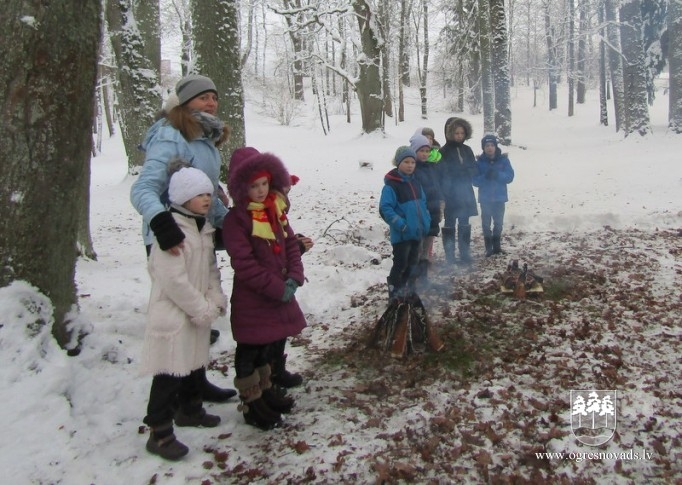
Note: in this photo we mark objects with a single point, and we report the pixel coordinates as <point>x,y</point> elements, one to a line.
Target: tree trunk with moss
<point>369,84</point>
<point>139,94</point>
<point>217,49</point>
<point>48,70</point>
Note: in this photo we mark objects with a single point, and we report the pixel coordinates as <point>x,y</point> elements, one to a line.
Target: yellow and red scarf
<point>268,218</point>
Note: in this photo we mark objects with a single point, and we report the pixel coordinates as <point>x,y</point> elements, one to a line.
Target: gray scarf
<point>212,126</point>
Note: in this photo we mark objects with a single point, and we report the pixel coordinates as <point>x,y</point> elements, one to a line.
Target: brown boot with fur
<point>274,400</point>
<point>256,411</point>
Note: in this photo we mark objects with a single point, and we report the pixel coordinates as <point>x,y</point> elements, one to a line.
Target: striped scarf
<point>269,217</point>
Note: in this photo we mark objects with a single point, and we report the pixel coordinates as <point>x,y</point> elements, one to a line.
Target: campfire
<point>405,328</point>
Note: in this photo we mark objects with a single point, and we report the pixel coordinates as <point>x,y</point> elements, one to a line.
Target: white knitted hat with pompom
<point>187,183</point>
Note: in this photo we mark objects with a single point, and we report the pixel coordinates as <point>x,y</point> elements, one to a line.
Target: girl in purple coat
<point>266,260</point>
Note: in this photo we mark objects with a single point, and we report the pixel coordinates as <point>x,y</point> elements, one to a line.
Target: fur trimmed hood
<point>454,122</point>
<point>244,163</point>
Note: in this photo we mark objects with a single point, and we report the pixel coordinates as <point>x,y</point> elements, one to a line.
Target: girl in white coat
<point>186,297</point>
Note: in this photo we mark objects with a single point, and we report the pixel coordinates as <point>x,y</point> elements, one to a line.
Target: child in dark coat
<point>493,174</point>
<point>403,207</point>
<point>426,174</point>
<point>266,259</point>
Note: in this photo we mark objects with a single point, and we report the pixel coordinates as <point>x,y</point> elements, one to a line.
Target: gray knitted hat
<point>192,86</point>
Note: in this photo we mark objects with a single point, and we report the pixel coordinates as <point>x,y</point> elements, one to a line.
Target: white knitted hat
<point>187,183</point>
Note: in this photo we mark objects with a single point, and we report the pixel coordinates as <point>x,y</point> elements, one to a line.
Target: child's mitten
<point>207,317</point>
<point>290,288</point>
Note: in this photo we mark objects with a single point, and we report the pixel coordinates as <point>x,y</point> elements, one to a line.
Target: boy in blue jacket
<point>403,207</point>
<point>494,173</point>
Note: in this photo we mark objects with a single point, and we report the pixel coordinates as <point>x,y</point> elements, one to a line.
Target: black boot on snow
<point>488,246</point>
<point>281,376</point>
<point>162,442</point>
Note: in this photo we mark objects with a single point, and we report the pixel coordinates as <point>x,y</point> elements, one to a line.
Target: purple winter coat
<point>257,313</point>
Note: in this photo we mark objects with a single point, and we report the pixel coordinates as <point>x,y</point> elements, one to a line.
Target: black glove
<point>490,174</point>
<point>166,230</point>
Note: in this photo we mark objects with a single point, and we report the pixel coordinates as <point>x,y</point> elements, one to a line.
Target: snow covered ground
<point>598,216</point>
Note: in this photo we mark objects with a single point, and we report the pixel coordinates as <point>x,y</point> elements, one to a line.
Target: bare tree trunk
<point>186,57</point>
<point>461,89</point>
<point>297,44</point>
<point>634,69</point>
<point>615,64</point>
<point>249,34</point>
<point>425,62</point>
<point>603,111</point>
<point>346,86</point>
<point>487,83</point>
<point>571,56</point>
<point>48,76</point>
<point>140,95</point>
<point>581,74</point>
<point>675,63</point>
<point>500,69</point>
<point>369,85</point>
<point>148,19</point>
<point>385,30</point>
<point>404,55</point>
<point>552,61</point>
<point>83,237</point>
<point>403,66</point>
<point>475,71</point>
<point>221,61</point>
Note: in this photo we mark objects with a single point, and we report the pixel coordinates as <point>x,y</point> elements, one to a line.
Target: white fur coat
<point>186,297</point>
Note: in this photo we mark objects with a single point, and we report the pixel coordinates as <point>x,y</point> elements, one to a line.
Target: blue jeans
<point>492,212</point>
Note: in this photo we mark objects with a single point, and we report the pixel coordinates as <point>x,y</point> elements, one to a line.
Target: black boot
<point>497,249</point>
<point>275,401</point>
<point>162,442</point>
<point>212,393</point>
<point>464,241</point>
<point>281,376</point>
<point>254,408</point>
<point>196,416</point>
<point>488,246</point>
<point>449,244</point>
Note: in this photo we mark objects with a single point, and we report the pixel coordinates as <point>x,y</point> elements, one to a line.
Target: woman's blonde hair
<point>181,118</point>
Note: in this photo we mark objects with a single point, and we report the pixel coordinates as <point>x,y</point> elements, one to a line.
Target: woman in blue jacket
<point>191,132</point>
<point>494,173</point>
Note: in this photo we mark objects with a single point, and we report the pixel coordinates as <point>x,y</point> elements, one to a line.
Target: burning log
<point>404,327</point>
<point>520,282</point>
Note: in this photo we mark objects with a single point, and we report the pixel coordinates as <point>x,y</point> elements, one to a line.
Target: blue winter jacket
<point>403,207</point>
<point>149,193</point>
<point>493,189</point>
